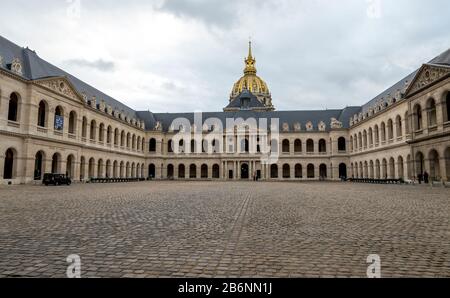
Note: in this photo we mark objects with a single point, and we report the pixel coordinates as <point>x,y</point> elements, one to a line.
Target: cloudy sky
<point>185,55</point>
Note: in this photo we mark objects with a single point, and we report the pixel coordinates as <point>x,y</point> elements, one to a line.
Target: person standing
<point>426,177</point>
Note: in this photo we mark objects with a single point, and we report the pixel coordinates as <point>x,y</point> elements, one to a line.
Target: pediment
<point>428,75</point>
<point>60,85</point>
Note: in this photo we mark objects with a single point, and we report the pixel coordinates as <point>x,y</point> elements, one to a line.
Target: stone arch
<point>343,171</point>
<point>286,171</point>
<point>151,171</point>
<point>39,165</point>
<point>170,171</point>
<point>10,164</point>
<point>400,168</point>
<point>56,163</point>
<point>181,171</point>
<point>391,174</point>
<point>435,170</point>
<point>298,171</point>
<point>152,145</point>
<point>398,126</point>
<point>310,171</point>
<point>70,166</point>
<point>193,171</point>
<point>286,146</point>
<point>298,146</point>
<point>204,171</point>
<point>91,168</point>
<point>93,130</point>
<point>322,146</point>
<point>310,146</point>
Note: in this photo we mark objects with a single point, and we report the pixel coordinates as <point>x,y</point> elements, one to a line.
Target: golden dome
<point>251,82</point>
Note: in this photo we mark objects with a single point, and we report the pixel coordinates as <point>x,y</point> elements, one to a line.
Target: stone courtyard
<point>225,229</point>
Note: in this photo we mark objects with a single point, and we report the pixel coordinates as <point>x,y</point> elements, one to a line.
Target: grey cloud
<point>213,12</point>
<point>99,64</point>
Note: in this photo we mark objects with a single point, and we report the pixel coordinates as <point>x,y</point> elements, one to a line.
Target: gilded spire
<point>250,62</point>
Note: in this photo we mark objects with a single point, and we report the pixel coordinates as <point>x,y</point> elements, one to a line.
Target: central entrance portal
<point>244,171</point>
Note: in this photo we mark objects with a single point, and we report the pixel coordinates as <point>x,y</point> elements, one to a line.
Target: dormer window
<point>245,103</point>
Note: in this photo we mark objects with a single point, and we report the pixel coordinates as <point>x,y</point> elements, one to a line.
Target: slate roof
<point>290,117</point>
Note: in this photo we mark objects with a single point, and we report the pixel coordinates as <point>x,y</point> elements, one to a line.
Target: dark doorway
<point>9,164</point>
<point>230,174</point>
<point>38,166</point>
<point>342,171</point>
<point>152,171</point>
<point>244,171</point>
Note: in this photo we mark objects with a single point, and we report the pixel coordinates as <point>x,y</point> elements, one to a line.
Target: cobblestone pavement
<point>224,229</point>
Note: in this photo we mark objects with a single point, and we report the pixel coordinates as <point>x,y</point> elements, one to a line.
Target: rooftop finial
<point>250,61</point>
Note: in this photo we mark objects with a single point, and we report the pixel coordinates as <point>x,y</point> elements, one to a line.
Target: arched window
<point>152,145</point>
<point>286,146</point>
<point>342,144</point>
<point>170,146</point>
<point>116,136</point>
<point>56,163</point>
<point>431,107</point>
<point>13,107</point>
<point>370,136</point>
<point>365,139</point>
<point>101,132</point>
<point>59,118</point>
<point>322,146</point>
<point>152,171</point>
<point>170,171</point>
<point>418,118</point>
<point>399,126</point>
<point>377,134</point>
<point>192,171</point>
<point>70,166</point>
<point>383,132</point>
<point>351,143</point>
<point>310,146</point>
<point>109,135</point>
<point>72,122</point>
<point>122,139</point>
<point>204,171</point>
<point>128,140</point>
<point>8,170</point>
<point>181,171</point>
<point>360,141</point>
<point>390,129</point>
<point>93,130</point>
<point>84,128</point>
<point>298,146</point>
<point>42,114</point>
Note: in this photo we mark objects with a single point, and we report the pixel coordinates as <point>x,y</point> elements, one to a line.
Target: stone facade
<point>48,125</point>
